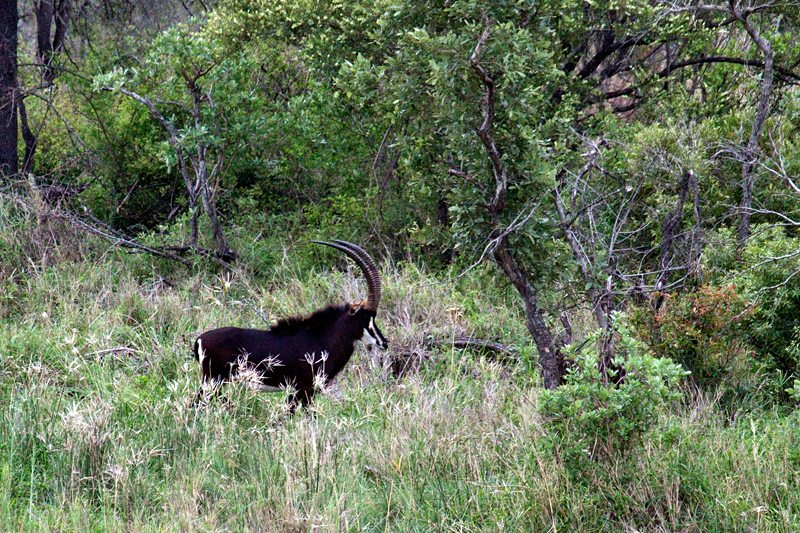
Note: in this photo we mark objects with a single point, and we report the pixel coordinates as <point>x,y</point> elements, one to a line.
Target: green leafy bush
<point>794,391</point>
<point>771,277</point>
<point>591,419</point>
<point>700,331</point>
<point>766,274</point>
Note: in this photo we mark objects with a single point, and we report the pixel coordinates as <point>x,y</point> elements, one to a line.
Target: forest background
<point>587,216</point>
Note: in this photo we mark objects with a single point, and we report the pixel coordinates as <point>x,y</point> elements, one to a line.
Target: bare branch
<point>670,68</point>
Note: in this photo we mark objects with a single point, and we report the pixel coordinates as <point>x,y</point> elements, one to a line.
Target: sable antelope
<point>297,352</point>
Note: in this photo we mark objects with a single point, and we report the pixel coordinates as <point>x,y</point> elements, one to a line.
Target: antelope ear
<point>356,307</point>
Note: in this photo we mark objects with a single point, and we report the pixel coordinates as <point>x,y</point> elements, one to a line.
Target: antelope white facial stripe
<point>369,336</point>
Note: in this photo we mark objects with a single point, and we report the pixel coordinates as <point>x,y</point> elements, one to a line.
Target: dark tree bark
<point>551,361</point>
<point>671,223</point>
<point>49,12</point>
<point>9,164</point>
<point>28,137</point>
<point>750,155</point>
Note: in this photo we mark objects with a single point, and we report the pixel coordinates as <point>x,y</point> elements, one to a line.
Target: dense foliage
<point>610,190</point>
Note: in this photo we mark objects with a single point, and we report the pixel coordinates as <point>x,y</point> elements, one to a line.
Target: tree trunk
<point>217,234</point>
<point>671,224</point>
<point>193,232</point>
<point>28,137</point>
<point>750,156</point>
<point>551,360</point>
<point>9,160</point>
<point>48,12</point>
<point>204,178</point>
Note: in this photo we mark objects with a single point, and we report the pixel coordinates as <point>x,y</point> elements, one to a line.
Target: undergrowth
<point>98,433</point>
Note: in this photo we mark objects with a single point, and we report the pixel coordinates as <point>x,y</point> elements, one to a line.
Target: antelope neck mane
<point>313,322</point>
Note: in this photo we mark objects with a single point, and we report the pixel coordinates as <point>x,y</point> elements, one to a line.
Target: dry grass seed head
<point>87,425</point>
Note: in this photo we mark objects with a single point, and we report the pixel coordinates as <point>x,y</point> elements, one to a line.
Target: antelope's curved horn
<point>368,267</point>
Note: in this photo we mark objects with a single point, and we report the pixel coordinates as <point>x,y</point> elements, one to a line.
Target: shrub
<point>591,419</point>
<point>701,332</point>
<point>774,328</point>
<point>766,273</point>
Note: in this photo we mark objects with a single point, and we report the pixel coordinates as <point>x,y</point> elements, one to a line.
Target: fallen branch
<point>117,238</point>
<point>91,224</point>
<point>408,359</point>
<point>500,352</point>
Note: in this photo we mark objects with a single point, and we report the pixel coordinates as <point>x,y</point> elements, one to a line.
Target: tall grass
<point>98,433</point>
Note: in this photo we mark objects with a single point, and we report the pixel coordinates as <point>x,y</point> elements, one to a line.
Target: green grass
<point>97,432</point>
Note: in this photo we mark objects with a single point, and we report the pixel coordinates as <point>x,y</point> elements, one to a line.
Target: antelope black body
<point>301,353</point>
